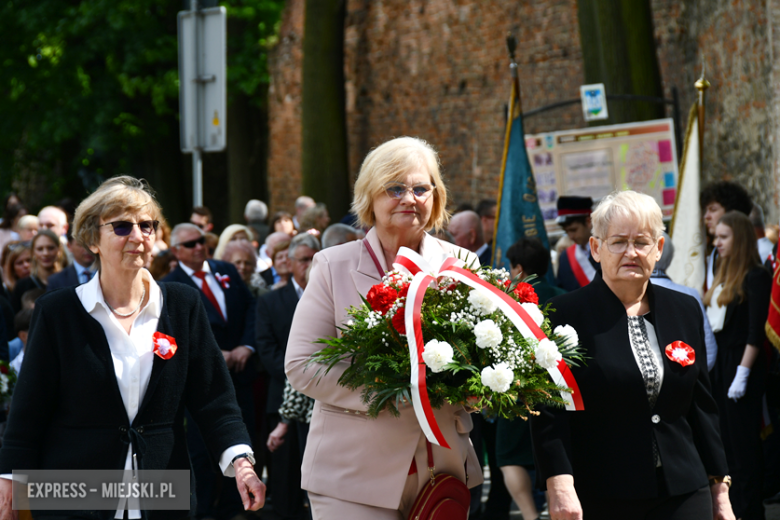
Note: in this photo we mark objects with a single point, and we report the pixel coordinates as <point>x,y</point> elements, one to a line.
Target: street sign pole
<point>197,163</point>
<point>202,100</point>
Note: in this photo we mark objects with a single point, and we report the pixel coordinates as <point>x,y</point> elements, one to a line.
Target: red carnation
<point>404,291</point>
<point>381,298</point>
<point>525,293</point>
<point>3,369</point>
<point>398,322</point>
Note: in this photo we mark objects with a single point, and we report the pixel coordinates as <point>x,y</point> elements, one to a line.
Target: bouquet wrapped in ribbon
<point>452,334</point>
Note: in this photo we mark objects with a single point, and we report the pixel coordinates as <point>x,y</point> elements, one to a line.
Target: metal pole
<point>197,163</point>
<point>701,85</point>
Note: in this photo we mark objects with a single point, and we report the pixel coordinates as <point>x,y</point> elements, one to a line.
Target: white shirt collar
<point>91,295</point>
<point>206,268</point>
<point>298,288</point>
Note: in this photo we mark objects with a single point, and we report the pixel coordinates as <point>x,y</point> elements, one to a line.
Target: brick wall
<point>438,69</point>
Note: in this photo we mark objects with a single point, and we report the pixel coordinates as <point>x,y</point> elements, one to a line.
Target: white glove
<point>738,386</point>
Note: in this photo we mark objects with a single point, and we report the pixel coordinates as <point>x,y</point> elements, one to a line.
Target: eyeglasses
<point>123,228</point>
<point>619,245</point>
<point>190,244</point>
<point>304,260</point>
<point>397,190</point>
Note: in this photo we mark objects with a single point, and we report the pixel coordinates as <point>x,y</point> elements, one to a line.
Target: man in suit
<point>576,267</point>
<point>275,311</point>
<point>230,311</point>
<point>466,229</point>
<point>77,273</point>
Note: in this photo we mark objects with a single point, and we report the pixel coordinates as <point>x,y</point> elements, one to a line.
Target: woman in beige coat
<point>356,467</point>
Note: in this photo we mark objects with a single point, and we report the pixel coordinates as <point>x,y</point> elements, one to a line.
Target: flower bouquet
<point>7,383</point>
<point>453,334</point>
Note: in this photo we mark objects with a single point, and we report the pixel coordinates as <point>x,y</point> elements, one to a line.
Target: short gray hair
<point>304,202</point>
<point>337,234</point>
<point>303,239</point>
<point>256,211</point>
<point>668,254</point>
<point>627,204</point>
<point>178,228</point>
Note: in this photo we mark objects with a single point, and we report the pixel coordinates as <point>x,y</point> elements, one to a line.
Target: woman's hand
<point>562,498</point>
<point>721,506</point>
<point>276,437</point>
<point>6,494</point>
<point>251,488</point>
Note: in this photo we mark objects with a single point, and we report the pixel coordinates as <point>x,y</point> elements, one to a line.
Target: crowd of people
<point>656,437</point>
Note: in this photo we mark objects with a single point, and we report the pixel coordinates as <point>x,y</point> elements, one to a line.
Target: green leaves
<point>103,74</point>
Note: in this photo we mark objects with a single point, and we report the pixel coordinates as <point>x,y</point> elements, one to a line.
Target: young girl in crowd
<point>737,306</point>
<point>47,258</point>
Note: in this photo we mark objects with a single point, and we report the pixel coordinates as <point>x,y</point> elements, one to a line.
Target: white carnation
<point>570,336</point>
<point>498,377</point>
<point>547,355</point>
<point>481,303</point>
<point>437,355</point>
<point>488,334</point>
<point>533,311</point>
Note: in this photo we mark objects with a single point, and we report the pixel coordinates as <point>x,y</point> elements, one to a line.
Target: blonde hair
<point>391,162</point>
<point>115,196</point>
<point>631,205</point>
<point>741,259</point>
<point>61,256</point>
<point>227,236</point>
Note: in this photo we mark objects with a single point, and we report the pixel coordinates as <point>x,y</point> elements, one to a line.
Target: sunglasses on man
<point>123,228</point>
<point>190,244</point>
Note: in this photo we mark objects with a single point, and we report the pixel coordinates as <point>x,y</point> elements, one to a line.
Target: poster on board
<point>596,161</point>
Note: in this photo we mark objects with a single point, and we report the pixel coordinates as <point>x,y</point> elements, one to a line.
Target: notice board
<point>596,161</point>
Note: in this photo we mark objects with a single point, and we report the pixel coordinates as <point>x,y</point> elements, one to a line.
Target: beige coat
<point>348,455</point>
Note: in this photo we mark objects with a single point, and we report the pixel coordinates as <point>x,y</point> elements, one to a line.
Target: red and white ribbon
<point>423,276</point>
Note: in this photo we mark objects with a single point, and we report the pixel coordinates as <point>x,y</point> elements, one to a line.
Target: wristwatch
<point>726,479</point>
<point>249,456</point>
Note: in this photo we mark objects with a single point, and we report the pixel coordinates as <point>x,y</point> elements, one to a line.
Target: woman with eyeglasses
<point>737,305</point>
<point>355,467</point>
<point>111,365</point>
<point>48,257</point>
<point>647,444</point>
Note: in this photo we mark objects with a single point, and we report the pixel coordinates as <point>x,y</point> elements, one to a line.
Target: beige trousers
<point>329,508</point>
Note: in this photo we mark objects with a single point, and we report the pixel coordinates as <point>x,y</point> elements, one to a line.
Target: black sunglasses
<point>190,244</point>
<point>123,228</point>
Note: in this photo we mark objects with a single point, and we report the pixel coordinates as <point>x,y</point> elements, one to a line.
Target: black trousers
<point>284,472</point>
<point>696,505</point>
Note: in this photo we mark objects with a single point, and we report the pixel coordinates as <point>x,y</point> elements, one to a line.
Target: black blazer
<point>607,447</point>
<point>275,311</point>
<point>65,278</point>
<point>240,329</point>
<point>745,322</point>
<point>67,411</point>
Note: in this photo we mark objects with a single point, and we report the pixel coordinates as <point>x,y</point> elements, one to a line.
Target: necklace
<point>129,313</point>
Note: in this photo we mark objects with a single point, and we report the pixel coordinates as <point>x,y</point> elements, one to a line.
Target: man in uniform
<point>576,267</point>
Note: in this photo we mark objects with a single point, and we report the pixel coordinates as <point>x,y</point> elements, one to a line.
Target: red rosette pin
<point>223,279</point>
<point>680,352</point>
<point>164,345</point>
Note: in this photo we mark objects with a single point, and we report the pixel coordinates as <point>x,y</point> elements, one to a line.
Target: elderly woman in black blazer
<point>647,444</point>
<point>111,365</point>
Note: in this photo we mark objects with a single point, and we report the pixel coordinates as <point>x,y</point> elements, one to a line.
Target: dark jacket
<point>275,311</point>
<point>67,411</point>
<point>65,278</point>
<point>240,327</point>
<point>745,321</point>
<point>566,279</point>
<point>21,287</point>
<point>607,447</point>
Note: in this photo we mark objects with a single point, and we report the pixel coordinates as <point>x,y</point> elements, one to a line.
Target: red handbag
<point>444,497</point>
